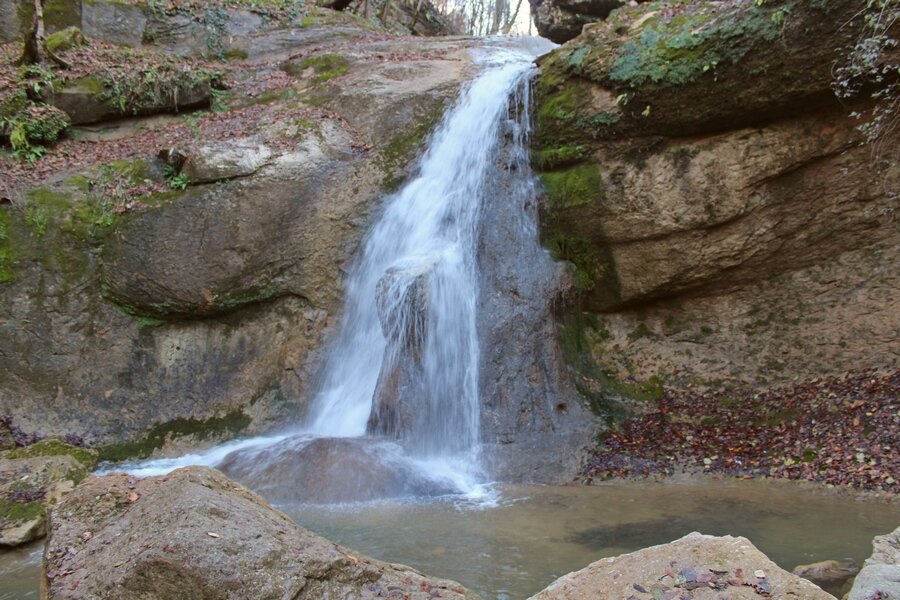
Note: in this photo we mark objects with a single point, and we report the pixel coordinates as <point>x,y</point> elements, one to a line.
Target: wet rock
<point>401,394</point>
<point>32,479</point>
<point>217,162</point>
<point>331,470</point>
<point>830,575</point>
<point>696,566</point>
<point>195,534</point>
<point>880,575</point>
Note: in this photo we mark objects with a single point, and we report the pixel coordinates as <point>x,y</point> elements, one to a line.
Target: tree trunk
<point>33,53</point>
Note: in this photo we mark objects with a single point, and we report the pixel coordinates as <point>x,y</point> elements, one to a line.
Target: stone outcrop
<point>834,576</point>
<point>880,575</point>
<point>189,316</point>
<point>703,566</point>
<point>32,479</point>
<point>719,227</point>
<point>196,534</point>
<point>562,20</point>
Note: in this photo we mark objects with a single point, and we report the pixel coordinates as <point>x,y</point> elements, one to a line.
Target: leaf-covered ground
<point>843,431</point>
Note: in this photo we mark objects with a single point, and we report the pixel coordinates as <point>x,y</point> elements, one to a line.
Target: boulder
<point>218,162</point>
<point>33,478</point>
<point>880,575</point>
<point>400,394</point>
<point>330,471</point>
<point>196,534</point>
<point>83,100</point>
<point>697,566</point>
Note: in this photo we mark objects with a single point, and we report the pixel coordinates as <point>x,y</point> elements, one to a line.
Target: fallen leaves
<point>835,430</point>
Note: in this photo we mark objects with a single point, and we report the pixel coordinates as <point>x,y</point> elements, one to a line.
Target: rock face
<point>880,575</point>
<point>719,228</point>
<point>32,479</point>
<point>332,470</point>
<point>831,575</point>
<point>194,315</point>
<point>703,565</point>
<point>195,534</point>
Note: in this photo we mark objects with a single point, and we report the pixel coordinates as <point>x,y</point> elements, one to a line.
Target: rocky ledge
<point>196,534</point>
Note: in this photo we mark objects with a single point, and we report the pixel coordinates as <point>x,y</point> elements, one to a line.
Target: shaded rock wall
<point>722,218</point>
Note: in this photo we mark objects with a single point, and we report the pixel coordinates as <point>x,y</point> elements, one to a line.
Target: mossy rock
<point>55,447</point>
<point>68,38</point>
<point>670,67</point>
<point>227,426</point>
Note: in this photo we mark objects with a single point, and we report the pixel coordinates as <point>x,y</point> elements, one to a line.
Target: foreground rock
<point>695,566</point>
<point>195,534</point>
<point>33,478</point>
<point>880,576</point>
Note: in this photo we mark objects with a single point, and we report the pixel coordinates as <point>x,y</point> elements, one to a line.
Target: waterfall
<point>408,339</point>
<point>397,408</point>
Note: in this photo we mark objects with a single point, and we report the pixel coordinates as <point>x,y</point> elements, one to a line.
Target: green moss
<point>575,186</point>
<point>91,85</point>
<point>325,67</point>
<point>235,54</point>
<point>581,338</point>
<point>577,251</point>
<point>55,447</point>
<point>37,218</point>
<point>404,146</point>
<point>678,49</point>
<point>226,426</point>
<point>15,512</point>
<point>557,157</point>
<point>641,331</point>
<point>66,39</point>
<point>6,251</point>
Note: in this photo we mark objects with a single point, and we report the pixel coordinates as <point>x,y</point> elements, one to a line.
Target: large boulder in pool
<point>696,566</point>
<point>331,470</point>
<point>194,534</point>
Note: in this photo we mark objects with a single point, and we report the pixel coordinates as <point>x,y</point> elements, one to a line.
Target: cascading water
<point>402,374</point>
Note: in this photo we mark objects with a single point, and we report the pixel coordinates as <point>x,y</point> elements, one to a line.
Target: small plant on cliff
<point>871,67</point>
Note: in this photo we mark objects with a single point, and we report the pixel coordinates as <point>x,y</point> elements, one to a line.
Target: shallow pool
<point>535,534</point>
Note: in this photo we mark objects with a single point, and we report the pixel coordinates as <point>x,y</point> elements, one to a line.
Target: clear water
<point>535,534</point>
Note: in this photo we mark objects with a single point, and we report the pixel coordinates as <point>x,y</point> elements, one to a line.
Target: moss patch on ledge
<point>55,447</point>
<point>228,425</point>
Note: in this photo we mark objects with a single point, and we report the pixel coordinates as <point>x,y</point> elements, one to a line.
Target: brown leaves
<point>836,430</point>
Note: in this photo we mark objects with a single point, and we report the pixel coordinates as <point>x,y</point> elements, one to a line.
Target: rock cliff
<point>722,217</point>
